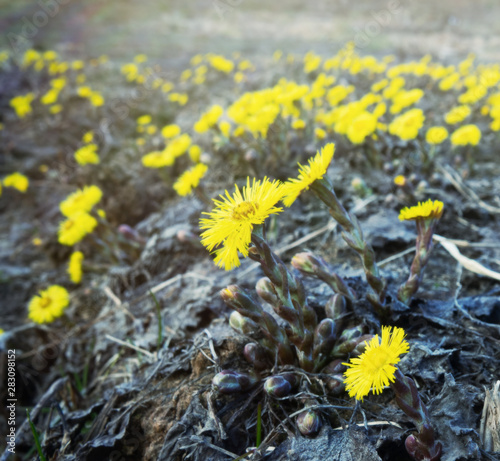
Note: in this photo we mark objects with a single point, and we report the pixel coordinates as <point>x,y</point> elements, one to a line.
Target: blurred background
<point>174,30</point>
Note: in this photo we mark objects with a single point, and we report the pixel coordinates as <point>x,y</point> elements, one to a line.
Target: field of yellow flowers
<point>145,212</point>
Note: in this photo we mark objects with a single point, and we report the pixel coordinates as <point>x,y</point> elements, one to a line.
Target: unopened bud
<point>267,291</point>
<point>309,423</point>
<point>335,384</point>
<point>130,234</point>
<point>351,333</point>
<point>242,324</point>
<point>229,382</point>
<point>336,306</point>
<point>280,385</point>
<point>256,355</point>
<point>324,331</point>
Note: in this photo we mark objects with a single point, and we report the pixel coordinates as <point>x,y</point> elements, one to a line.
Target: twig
<point>131,346</point>
<point>468,263</point>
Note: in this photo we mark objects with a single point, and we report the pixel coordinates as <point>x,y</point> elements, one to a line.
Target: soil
<point>110,381</point>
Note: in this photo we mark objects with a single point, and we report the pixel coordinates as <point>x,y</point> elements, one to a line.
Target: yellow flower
<point>75,266</point>
<point>222,64</point>
<point>2,331</point>
<point>37,241</point>
<point>407,125</point>
<point>374,369</point>
<point>87,154</point>
<point>361,126</point>
<point>194,153</point>
<point>232,221</point>
<point>49,304</point>
<point>84,91</point>
<point>81,200</point>
<point>400,180</point>
<point>75,228</point>
<point>436,134</point>
<point>144,119</point>
<point>308,174</point>
<point>190,179</point>
<point>424,210</point>
<point>170,131</point>
<point>17,181</point>
<point>208,119</point>
<point>22,104</point>
<point>88,137</point>
<point>298,124</point>
<point>319,133</point>
<point>151,129</point>
<point>96,99</point>
<point>457,114</point>
<point>50,97</point>
<point>225,128</point>
<point>465,135</point>
<point>55,109</point>
<point>140,58</point>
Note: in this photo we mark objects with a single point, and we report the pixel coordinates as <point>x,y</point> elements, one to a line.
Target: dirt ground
<point>112,382</point>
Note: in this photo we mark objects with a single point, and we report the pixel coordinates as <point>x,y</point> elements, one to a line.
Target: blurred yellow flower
<point>17,181</point>
<point>81,200</point>
<point>48,305</point>
<point>190,179</point>
<point>466,135</point>
<point>75,266</point>
<point>436,135</point>
<point>75,228</point>
<point>457,114</point>
<point>87,155</point>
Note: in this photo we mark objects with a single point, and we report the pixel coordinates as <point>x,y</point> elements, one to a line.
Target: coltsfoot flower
<point>308,174</point>
<point>424,210</point>
<point>466,135</point>
<point>190,179</point>
<point>49,304</point>
<point>75,266</point>
<point>73,229</point>
<point>87,154</point>
<point>81,200</point>
<point>231,223</point>
<point>17,181</point>
<point>436,135</point>
<point>374,369</point>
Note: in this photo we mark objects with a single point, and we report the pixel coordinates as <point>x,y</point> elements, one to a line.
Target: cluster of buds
<point>353,236</point>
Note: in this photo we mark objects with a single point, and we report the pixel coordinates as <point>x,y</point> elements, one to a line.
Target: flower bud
<point>334,367</point>
<point>256,355</point>
<point>336,306</point>
<point>229,381</point>
<point>306,263</point>
<point>280,385</point>
<point>335,384</point>
<point>267,291</point>
<point>238,299</point>
<point>242,324</point>
<point>309,423</point>
<point>130,234</point>
<point>351,333</point>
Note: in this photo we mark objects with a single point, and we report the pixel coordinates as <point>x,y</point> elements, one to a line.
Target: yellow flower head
<point>400,180</point>
<point>170,131</point>
<point>48,305</point>
<point>158,159</point>
<point>75,228</point>
<point>465,135</point>
<point>87,154</point>
<point>424,210</point>
<point>436,135</point>
<point>308,174</point>
<point>17,181</point>
<point>231,222</point>
<point>144,119</point>
<point>457,114</point>
<point>374,369</point>
<point>407,125</point>
<point>81,200</point>
<point>190,179</point>
<point>75,266</point>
